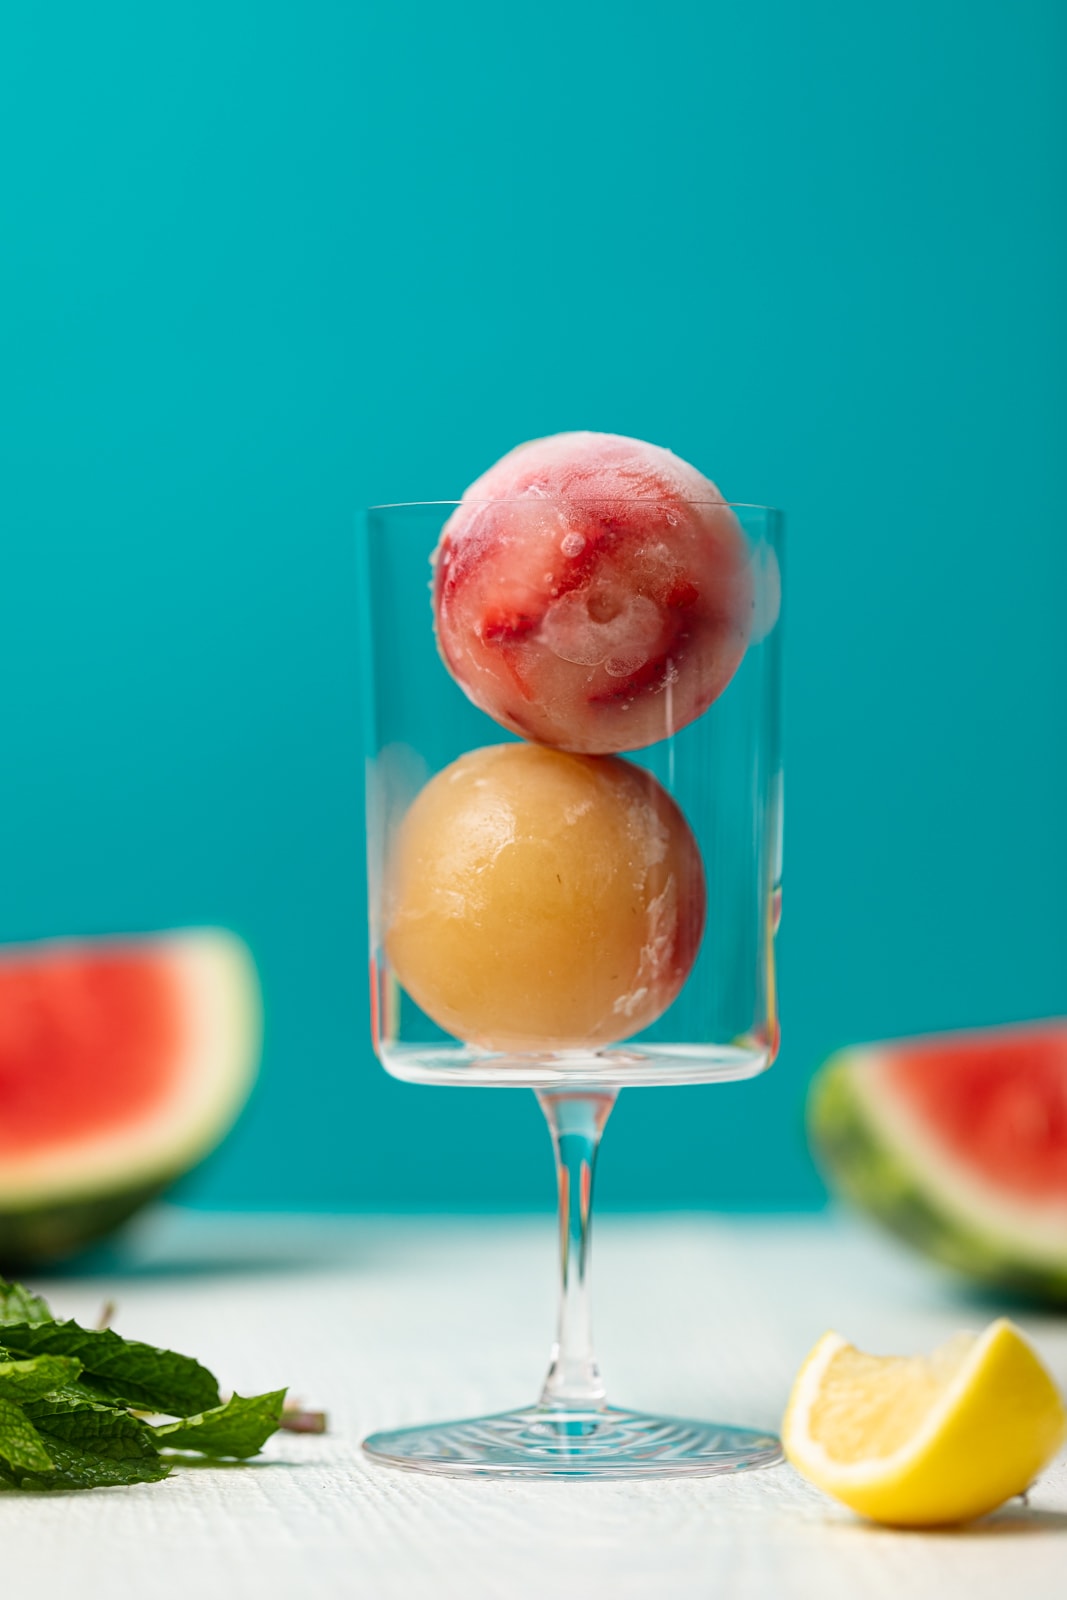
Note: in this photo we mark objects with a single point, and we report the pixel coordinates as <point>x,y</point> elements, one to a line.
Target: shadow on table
<point>1010,1522</point>
<point>181,1463</point>
<point>172,1242</point>
<point>175,1242</point>
<point>993,1302</point>
<point>178,1463</point>
<point>1029,1519</point>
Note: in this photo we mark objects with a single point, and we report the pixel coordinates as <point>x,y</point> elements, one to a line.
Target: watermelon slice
<point>958,1144</point>
<point>122,1062</point>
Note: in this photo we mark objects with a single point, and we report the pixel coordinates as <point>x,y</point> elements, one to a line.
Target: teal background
<point>263,264</point>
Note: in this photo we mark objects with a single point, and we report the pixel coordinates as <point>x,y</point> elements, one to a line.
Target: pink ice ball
<point>592,592</point>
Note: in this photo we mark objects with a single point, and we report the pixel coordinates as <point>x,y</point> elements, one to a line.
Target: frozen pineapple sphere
<point>542,901</point>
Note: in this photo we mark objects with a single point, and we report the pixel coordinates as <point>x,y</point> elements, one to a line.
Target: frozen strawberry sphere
<point>592,592</point>
<point>543,901</point>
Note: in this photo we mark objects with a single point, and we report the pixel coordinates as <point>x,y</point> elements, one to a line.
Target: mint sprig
<point>68,1398</point>
<point>121,1370</point>
<point>239,1428</point>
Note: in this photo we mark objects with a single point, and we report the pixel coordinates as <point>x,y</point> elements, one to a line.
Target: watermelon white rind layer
<point>877,1155</point>
<point>54,1199</point>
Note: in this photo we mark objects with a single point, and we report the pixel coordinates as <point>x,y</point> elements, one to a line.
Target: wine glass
<point>723,771</point>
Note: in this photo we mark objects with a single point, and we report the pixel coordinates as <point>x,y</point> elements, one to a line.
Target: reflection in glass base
<point>627,1066</point>
<point>537,1442</point>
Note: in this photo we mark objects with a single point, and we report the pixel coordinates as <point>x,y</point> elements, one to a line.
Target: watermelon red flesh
<point>997,1101</point>
<point>122,1063</point>
<point>88,1042</point>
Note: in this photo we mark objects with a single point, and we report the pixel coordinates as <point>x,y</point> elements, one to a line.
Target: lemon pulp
<point>870,1406</point>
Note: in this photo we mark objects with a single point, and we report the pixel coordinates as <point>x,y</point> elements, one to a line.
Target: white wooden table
<point>384,1321</point>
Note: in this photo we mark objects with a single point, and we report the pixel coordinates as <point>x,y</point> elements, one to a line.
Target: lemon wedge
<point>922,1441</point>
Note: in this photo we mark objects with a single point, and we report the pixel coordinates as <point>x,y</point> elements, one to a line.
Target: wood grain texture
<point>385,1321</point>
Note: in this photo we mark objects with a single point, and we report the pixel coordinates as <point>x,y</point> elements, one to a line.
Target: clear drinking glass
<point>724,772</point>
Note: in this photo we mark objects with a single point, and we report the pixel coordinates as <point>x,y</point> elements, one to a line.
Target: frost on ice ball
<point>592,592</point>
<point>543,901</point>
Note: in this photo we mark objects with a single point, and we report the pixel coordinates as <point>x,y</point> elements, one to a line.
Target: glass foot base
<point>540,1443</point>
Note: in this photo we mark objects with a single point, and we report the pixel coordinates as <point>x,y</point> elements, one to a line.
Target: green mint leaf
<point>77,1469</point>
<point>22,1380</point>
<point>19,1305</point>
<point>21,1446</point>
<point>78,1392</point>
<point>122,1370</point>
<point>91,1446</point>
<point>239,1428</point>
<point>99,1430</point>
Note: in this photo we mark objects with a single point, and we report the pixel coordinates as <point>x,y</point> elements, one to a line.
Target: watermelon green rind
<point>863,1162</point>
<point>38,1234</point>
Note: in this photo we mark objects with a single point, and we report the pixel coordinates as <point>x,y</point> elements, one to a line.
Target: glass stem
<point>575,1121</point>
